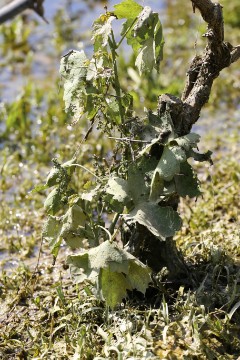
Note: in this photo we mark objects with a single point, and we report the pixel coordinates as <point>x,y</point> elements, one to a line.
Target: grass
<point>45,316</point>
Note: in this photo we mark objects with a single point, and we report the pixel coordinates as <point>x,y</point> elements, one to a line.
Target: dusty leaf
<point>73,69</point>
<point>92,193</point>
<point>53,202</point>
<point>51,233</point>
<point>139,179</point>
<point>66,227</point>
<point>54,176</point>
<point>146,58</point>
<point>102,28</point>
<point>200,157</point>
<point>186,182</point>
<point>162,222</point>
<point>118,187</point>
<point>108,266</point>
<point>188,141</point>
<point>79,268</point>
<point>170,161</point>
<point>72,224</point>
<point>109,255</point>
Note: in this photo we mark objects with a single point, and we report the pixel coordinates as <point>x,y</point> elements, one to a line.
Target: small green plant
<point>137,189</point>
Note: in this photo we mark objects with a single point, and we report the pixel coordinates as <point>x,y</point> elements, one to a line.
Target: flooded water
<point>69,27</point>
<point>74,17</point>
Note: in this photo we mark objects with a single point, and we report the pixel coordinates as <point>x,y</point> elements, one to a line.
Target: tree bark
<point>17,6</point>
<point>185,112</point>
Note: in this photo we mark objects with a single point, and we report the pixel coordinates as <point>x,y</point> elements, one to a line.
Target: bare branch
<point>17,6</point>
<point>235,53</point>
<point>212,14</point>
<point>204,69</point>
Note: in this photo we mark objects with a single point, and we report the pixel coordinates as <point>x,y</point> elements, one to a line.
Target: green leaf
<point>112,110</point>
<point>52,203</point>
<point>113,287</point>
<point>139,276</point>
<point>113,271</point>
<point>148,32</point>
<point>186,182</point>
<point>131,40</point>
<point>162,222</point>
<point>127,9</point>
<point>39,188</point>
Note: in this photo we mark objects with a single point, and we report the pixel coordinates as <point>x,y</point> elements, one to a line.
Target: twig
<point>129,140</point>
<point>89,171</point>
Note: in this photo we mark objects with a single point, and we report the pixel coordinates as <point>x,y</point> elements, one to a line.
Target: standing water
<point>69,27</point>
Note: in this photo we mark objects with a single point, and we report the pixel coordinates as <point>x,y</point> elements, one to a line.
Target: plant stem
<point>108,232</point>
<point>86,169</point>
<point>124,35</point>
<point>117,87</point>
<point>113,223</point>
